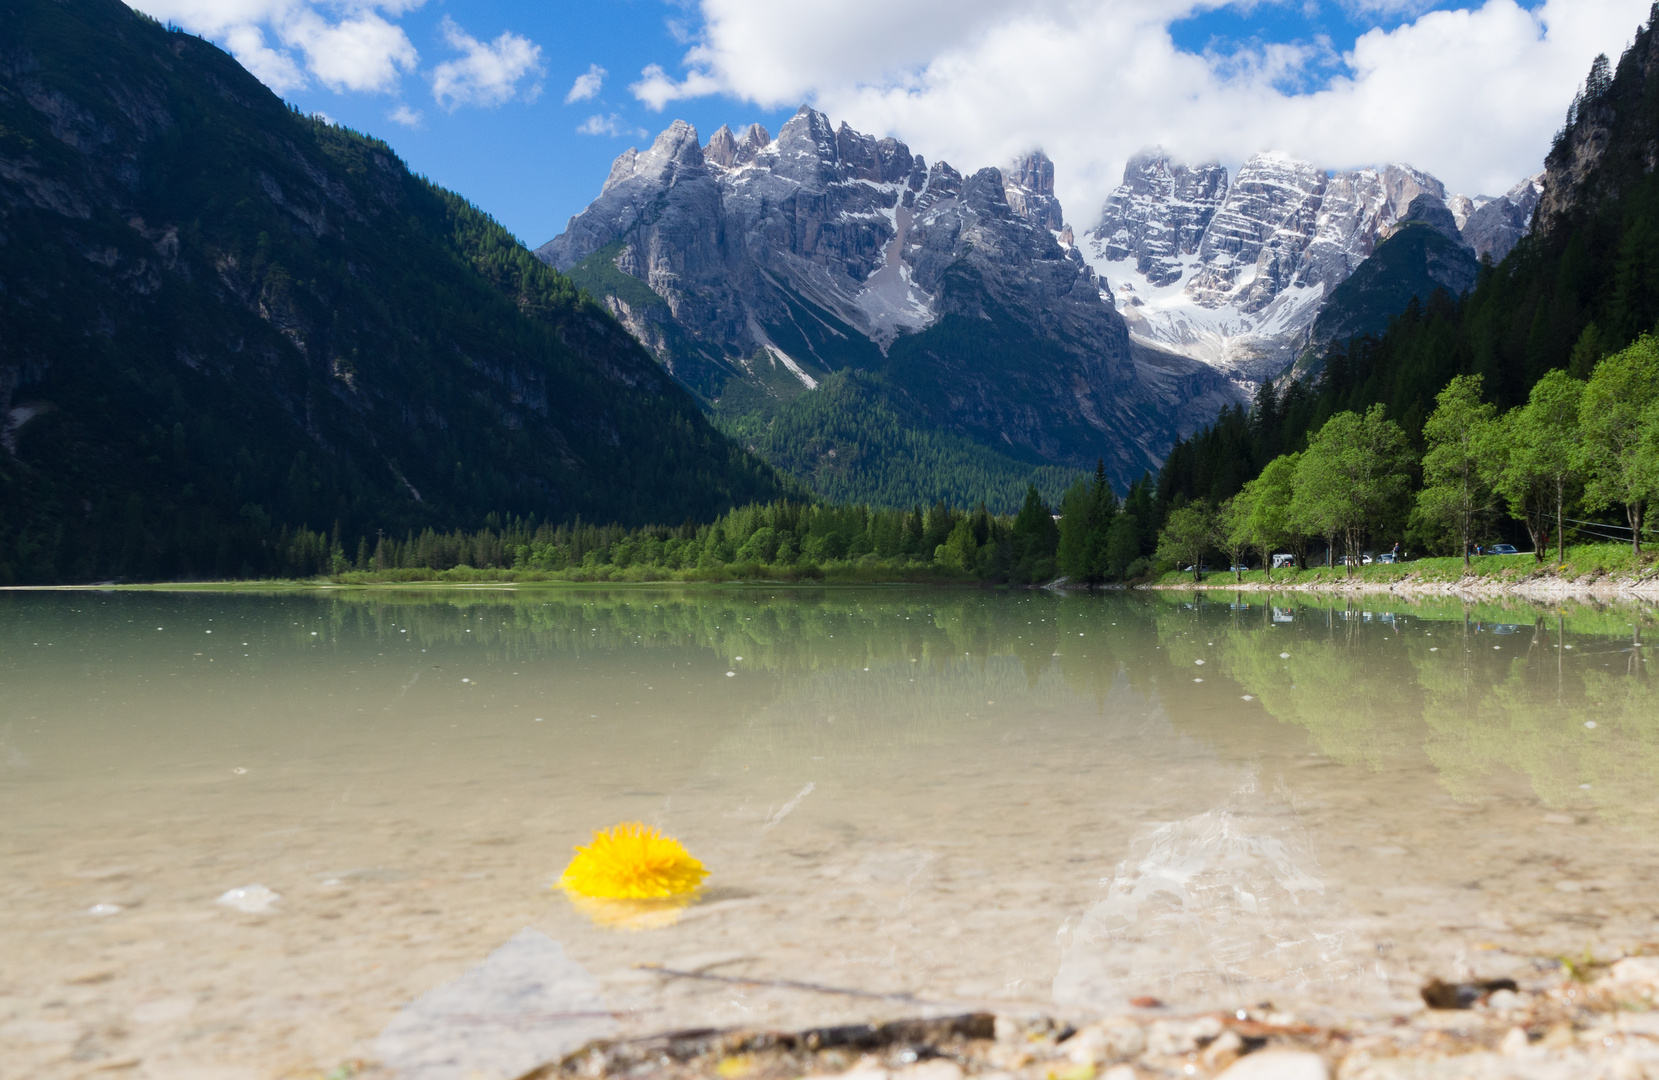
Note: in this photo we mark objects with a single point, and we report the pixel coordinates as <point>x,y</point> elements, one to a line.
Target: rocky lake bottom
<point>317,833</point>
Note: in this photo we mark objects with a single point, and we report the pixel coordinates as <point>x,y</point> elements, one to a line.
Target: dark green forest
<point>846,442</point>
<point>228,326</point>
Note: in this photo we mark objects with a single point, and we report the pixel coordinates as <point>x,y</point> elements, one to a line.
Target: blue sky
<point>958,79</point>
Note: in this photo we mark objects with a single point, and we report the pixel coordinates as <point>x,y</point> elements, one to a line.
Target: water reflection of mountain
<point>1562,696</point>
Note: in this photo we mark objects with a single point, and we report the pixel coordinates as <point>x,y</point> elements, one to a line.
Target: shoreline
<point>1474,587</point>
<point>1592,1019</point>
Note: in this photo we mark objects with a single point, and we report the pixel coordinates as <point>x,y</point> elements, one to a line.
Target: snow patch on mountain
<point>1234,273</point>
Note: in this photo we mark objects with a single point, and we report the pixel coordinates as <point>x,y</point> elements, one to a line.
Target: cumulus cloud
<point>1472,94</point>
<point>404,115</point>
<point>345,46</point>
<point>361,52</point>
<point>612,125</point>
<point>485,73</point>
<point>586,85</point>
<point>657,89</point>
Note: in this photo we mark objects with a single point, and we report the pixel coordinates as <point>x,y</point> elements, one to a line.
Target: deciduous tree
<point>1614,416</point>
<point>1458,468</point>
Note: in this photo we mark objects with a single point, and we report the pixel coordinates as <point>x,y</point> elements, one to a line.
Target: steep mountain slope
<point>1236,274</point>
<point>755,267</point>
<point>224,322</point>
<point>845,441</point>
<point>1425,252</point>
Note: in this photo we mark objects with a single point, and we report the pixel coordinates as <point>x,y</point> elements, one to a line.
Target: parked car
<point>1386,557</point>
<point>1502,549</point>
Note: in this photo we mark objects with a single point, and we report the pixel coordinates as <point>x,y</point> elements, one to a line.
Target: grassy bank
<point>864,571</point>
<point>1584,565</point>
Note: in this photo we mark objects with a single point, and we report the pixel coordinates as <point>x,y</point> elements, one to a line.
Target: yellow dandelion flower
<point>632,862</point>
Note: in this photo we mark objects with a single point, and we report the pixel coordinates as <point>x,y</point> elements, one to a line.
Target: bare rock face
<point>1160,214</point>
<point>827,248</point>
<point>1497,225</point>
<point>1235,274</point>
<point>1028,186</point>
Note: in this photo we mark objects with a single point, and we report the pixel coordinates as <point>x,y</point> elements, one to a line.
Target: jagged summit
<point>769,263</point>
<point>1028,185</point>
<point>1235,273</point>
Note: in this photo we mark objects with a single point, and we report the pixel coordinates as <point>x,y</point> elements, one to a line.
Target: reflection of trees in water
<point>1341,681</point>
<point>1480,689</point>
<point>1533,721</point>
<point>894,667</point>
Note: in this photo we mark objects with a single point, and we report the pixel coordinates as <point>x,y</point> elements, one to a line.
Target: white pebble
<point>1278,1065</point>
<point>730,674</point>
<point>1284,656</point>
<point>251,899</point>
<point>104,909</point>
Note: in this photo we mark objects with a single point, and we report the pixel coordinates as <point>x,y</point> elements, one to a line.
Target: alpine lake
<point>258,835</point>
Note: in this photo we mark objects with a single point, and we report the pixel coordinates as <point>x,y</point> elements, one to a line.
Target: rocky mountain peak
<point>1403,183</point>
<point>727,151</point>
<point>1235,274</point>
<point>1159,214</point>
<point>812,152</point>
<point>1434,213</point>
<point>767,265</point>
<point>755,139</point>
<point>1028,187</point>
<point>676,150</point>
<point>722,148</point>
<point>1492,226</point>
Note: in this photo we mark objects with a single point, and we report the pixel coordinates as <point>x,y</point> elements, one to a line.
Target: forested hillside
<point>231,332</point>
<point>1582,287</point>
<point>848,442</point>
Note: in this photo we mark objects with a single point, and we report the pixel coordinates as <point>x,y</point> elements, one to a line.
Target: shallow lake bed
<point>945,799</point>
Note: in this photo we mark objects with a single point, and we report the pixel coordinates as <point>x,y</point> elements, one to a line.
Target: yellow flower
<point>632,862</point>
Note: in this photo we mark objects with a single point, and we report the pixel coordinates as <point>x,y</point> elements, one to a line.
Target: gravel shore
<point>1600,1026</point>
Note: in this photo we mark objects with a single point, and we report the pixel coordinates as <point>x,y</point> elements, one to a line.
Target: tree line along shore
<point>1559,466</point>
<point>1576,447</point>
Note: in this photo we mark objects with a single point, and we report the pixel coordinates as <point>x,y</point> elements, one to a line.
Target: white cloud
<point>361,52</point>
<point>586,85</point>
<point>485,74</point>
<point>275,69</point>
<point>345,45</point>
<point>404,115</point>
<point>657,89</point>
<point>1473,95</point>
<point>1362,8</point>
<point>612,125</point>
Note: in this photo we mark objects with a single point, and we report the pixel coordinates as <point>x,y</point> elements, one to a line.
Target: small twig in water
<point>785,984</point>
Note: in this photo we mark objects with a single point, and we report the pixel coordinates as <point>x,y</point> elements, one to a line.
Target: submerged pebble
<point>251,899</point>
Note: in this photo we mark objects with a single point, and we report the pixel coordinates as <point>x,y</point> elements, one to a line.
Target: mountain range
<point>1234,271</point>
<point>758,269</point>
